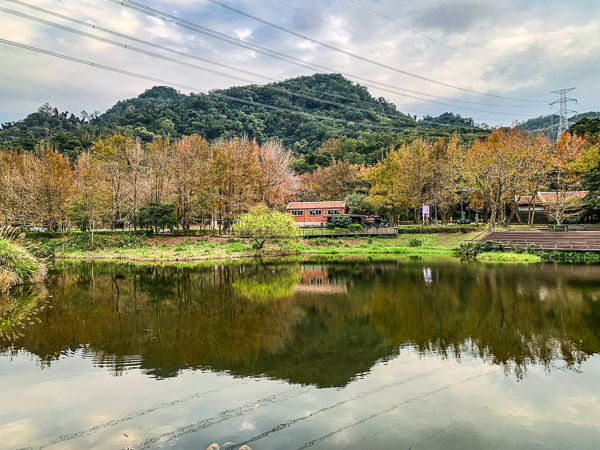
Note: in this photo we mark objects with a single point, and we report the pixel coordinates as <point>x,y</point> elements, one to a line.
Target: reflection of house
<point>544,201</point>
<point>314,214</point>
<point>317,281</point>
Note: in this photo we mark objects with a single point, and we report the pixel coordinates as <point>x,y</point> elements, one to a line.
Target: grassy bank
<point>17,265</point>
<point>136,248</point>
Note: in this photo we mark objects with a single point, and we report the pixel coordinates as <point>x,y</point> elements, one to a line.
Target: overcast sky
<point>521,49</point>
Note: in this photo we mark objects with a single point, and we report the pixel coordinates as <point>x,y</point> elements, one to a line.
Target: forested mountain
<point>324,107</point>
<point>549,123</point>
<point>365,122</point>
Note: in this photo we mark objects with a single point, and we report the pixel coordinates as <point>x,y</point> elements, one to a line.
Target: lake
<point>406,353</point>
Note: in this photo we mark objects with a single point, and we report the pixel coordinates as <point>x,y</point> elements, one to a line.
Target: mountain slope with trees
<point>166,112</point>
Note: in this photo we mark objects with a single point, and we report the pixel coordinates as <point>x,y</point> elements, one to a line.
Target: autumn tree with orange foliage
<point>279,182</point>
<point>235,180</point>
<point>331,183</point>
<point>35,189</point>
<point>493,169</point>
<point>568,169</point>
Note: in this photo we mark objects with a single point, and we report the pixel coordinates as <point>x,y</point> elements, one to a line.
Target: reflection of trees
<point>263,284</point>
<point>510,315</point>
<point>116,312</point>
<point>165,319</point>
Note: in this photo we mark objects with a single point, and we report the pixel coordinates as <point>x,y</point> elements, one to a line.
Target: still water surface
<point>409,353</point>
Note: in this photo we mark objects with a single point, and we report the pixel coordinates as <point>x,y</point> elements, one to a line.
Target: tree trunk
<point>533,211</point>
<point>513,210</point>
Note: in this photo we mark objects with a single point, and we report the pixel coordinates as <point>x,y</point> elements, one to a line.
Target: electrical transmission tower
<point>564,111</point>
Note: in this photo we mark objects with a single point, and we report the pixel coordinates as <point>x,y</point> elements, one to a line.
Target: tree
<point>159,216</point>
<point>334,182</point>
<point>415,174</point>
<point>386,188</point>
<point>332,147</point>
<point>110,155</point>
<point>137,187</point>
<point>279,182</point>
<point>568,170</point>
<point>89,204</point>
<point>491,168</point>
<point>235,179</point>
<point>359,204</point>
<point>445,172</point>
<point>188,168</point>
<point>35,189</point>
<point>263,225</point>
<point>158,164</point>
<point>563,205</point>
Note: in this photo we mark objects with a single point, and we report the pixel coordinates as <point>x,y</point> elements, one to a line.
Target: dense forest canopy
<point>329,109</point>
<point>166,112</point>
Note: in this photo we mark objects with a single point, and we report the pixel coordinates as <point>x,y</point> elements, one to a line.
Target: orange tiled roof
<point>544,197</point>
<point>548,196</point>
<point>523,199</point>
<point>316,205</point>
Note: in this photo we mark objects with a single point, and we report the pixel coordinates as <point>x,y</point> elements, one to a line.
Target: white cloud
<point>243,34</point>
<point>555,47</point>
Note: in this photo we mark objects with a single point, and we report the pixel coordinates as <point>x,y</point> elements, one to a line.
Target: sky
<point>520,49</point>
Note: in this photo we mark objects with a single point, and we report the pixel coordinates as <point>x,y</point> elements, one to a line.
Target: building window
<point>297,213</point>
<point>333,212</point>
<point>315,213</point>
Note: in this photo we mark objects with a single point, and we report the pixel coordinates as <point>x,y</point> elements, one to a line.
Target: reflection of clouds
<point>12,433</point>
<point>427,276</point>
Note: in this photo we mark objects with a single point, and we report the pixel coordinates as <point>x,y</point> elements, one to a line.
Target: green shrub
<point>570,257</point>
<point>331,226</point>
<point>472,249</point>
<point>436,229</point>
<point>341,221</point>
<point>355,227</point>
<point>414,242</point>
<point>185,233</point>
<point>18,265</point>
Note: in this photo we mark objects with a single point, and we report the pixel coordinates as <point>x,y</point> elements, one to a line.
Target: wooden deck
<point>570,241</point>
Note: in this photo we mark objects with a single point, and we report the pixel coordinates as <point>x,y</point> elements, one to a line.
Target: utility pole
<point>563,113</point>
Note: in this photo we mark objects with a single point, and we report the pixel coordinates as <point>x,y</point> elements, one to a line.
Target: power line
<point>194,66</point>
<point>118,44</point>
<point>339,50</point>
<point>293,60</point>
<point>162,47</point>
<point>374,41</point>
<point>133,38</point>
<point>436,41</point>
<point>214,94</point>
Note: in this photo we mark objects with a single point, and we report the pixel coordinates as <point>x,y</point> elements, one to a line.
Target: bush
<point>414,242</point>
<point>331,226</point>
<point>355,227</point>
<point>472,249</point>
<point>570,257</point>
<point>341,221</point>
<point>264,225</point>
<point>436,229</point>
<point>18,265</point>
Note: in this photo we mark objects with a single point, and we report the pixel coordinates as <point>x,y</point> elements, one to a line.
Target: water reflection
<point>318,323</point>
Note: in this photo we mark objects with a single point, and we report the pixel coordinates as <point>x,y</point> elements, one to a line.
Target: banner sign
<point>426,210</point>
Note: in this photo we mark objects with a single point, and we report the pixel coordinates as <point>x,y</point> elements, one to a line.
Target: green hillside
<point>549,123</point>
<point>344,109</point>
